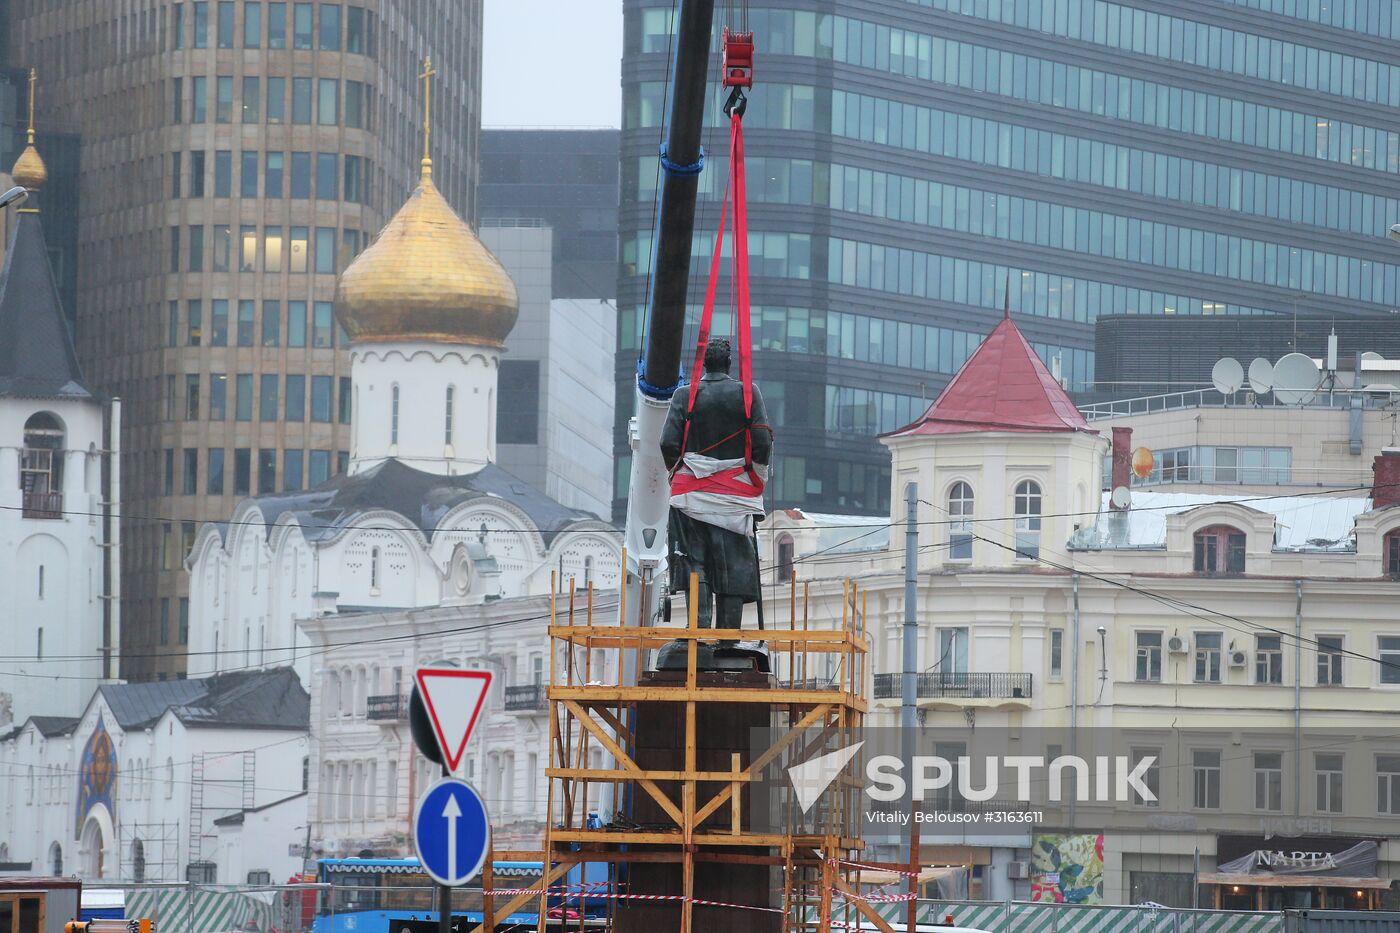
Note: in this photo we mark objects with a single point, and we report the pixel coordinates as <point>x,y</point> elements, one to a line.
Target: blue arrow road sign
<point>452,832</point>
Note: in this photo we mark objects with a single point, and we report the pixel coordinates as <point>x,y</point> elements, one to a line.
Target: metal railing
<point>388,707</point>
<point>525,698</point>
<point>958,684</point>
<point>43,505</point>
<point>1323,397</point>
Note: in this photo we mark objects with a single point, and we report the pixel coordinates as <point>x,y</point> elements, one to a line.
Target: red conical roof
<point>1002,387</point>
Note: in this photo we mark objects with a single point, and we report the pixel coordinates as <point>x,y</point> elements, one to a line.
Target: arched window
<point>1028,504</point>
<point>41,467</point>
<point>374,571</point>
<point>138,861</point>
<point>56,859</point>
<point>960,504</point>
<point>787,552</point>
<point>447,425</point>
<point>1218,549</point>
<point>1390,548</point>
<point>394,414</point>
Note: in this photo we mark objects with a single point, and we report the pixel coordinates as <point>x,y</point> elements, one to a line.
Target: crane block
<point>738,59</point>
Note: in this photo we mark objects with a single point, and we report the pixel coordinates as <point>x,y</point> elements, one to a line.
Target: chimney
<point>1386,491</point>
<point>1122,461</point>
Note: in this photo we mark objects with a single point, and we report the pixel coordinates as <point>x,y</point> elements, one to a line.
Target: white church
<point>425,550</point>
<point>61,601</point>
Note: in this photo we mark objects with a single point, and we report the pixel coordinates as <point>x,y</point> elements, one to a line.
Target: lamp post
<point>15,196</point>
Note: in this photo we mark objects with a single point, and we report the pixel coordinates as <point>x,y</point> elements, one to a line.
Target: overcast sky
<point>552,63</point>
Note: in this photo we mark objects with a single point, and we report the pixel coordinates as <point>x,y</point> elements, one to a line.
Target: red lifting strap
<point>727,481</point>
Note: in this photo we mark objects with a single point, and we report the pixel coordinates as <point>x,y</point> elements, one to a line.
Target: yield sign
<point>453,699</point>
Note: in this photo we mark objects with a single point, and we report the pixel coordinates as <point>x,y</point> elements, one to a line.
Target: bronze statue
<point>717,491</point>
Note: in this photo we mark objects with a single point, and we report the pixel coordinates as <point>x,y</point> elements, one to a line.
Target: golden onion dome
<point>29,170</point>
<point>426,277</point>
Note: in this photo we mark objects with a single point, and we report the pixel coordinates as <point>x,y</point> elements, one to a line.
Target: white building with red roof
<point>1241,642</point>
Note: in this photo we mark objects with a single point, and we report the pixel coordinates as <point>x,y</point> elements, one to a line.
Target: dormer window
<point>1219,549</point>
<point>1028,505</point>
<point>1390,549</point>
<point>960,506</point>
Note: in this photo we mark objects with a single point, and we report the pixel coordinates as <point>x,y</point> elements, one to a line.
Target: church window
<point>170,778</point>
<point>447,426</point>
<point>41,467</point>
<point>56,858</point>
<point>1028,504</point>
<point>374,569</point>
<point>960,508</point>
<point>394,415</point>
<point>41,581</point>
<point>39,644</point>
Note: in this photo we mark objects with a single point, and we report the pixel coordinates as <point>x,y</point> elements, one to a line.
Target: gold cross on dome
<point>33,80</point>
<point>427,75</point>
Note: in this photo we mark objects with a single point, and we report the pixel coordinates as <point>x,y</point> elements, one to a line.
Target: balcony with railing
<point>387,707</point>
<point>961,688</point>
<point>48,505</point>
<point>525,698</point>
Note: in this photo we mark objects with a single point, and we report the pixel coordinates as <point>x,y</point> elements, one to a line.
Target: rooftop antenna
<point>1227,376</point>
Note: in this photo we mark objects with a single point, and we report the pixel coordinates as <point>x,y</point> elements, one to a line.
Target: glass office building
<point>907,159</point>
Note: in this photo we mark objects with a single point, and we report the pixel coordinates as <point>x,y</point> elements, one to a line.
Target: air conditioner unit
<point>1238,659</point>
<point>1176,644</point>
<point>1018,870</point>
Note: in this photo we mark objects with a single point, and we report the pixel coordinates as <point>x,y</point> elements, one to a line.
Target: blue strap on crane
<point>656,392</point>
<point>673,168</point>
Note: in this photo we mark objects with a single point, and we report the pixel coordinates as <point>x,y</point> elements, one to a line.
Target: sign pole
<point>445,891</point>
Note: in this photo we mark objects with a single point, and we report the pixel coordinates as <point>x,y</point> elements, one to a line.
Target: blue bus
<point>395,895</point>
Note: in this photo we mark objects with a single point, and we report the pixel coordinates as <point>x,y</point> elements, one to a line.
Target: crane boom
<point>658,372</point>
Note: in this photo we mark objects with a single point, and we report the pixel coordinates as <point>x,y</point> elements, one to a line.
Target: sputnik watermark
<point>1116,779</point>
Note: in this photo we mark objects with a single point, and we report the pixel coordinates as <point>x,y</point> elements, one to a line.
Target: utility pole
<point>908,714</point>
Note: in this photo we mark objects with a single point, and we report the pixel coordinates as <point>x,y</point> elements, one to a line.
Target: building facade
<point>59,490</point>
<point>906,158</point>
<point>131,788</point>
<point>1241,636</point>
<point>236,155</point>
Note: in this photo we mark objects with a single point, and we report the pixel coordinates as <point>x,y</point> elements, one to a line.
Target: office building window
<point>223,247</point>
<point>218,396</point>
<point>277,25</point>
<point>344,400</point>
<point>223,99</point>
<point>301,100</point>
<point>296,323</point>
<point>328,101</point>
<point>226,31</point>
<point>342,462</point>
<point>276,100</point>
<point>184,620</point>
<point>322,322</point>
<point>247,248</point>
<point>218,322</point>
<point>194,324</point>
<point>1149,657</point>
<point>164,621</point>
<point>197,169</point>
<point>267,471</point>
<point>272,249</point>
<point>177,38</point>
<point>201,25</point>
<point>215,485</point>
<point>175,174</point>
<point>243,397</point>
<point>296,245</point>
<point>301,175</point>
<point>196,249</point>
<point>223,173</point>
<point>174,249</point>
<point>168,486</point>
<point>355,29</point>
<point>1205,779</point>
<point>246,311</point>
<point>1268,781</point>
<point>321,398</point>
<point>354,105</point>
<point>320,466</point>
<point>271,323</point>
<point>1208,655</point>
<point>292,470</point>
<point>296,397</point>
<point>190,486</point>
<point>199,99</point>
<point>325,250</point>
<point>252,100</point>
<point>192,381</point>
<point>252,24</point>
<point>242,471</point>
<point>1268,659</point>
<point>267,398</point>
<point>172,334</point>
<point>329,33</point>
<point>356,185</point>
<point>272,175</point>
<point>248,175</point>
<point>177,100</point>
<point>301,26</point>
<point>325,176</point>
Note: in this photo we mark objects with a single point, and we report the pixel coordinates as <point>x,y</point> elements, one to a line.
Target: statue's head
<point>717,355</point>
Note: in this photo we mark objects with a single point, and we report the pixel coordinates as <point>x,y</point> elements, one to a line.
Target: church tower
<point>427,309</point>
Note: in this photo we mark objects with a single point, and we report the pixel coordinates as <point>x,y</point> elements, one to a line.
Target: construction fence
<point>1042,917</point>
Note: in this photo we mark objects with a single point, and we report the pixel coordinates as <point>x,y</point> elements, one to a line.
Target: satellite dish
<point>1261,376</point>
<point>1142,463</point>
<point>1296,378</point>
<point>1227,375</point>
<point>1370,356</point>
<point>1120,497</point>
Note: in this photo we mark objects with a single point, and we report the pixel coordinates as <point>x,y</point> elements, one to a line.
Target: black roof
<point>422,498</point>
<point>270,699</point>
<point>236,818</point>
<point>50,726</point>
<point>37,359</point>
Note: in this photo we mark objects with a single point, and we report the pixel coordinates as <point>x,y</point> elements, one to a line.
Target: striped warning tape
<point>884,868</point>
<point>616,896</point>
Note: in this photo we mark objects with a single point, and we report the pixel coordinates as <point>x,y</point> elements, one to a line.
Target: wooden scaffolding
<point>808,865</point>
